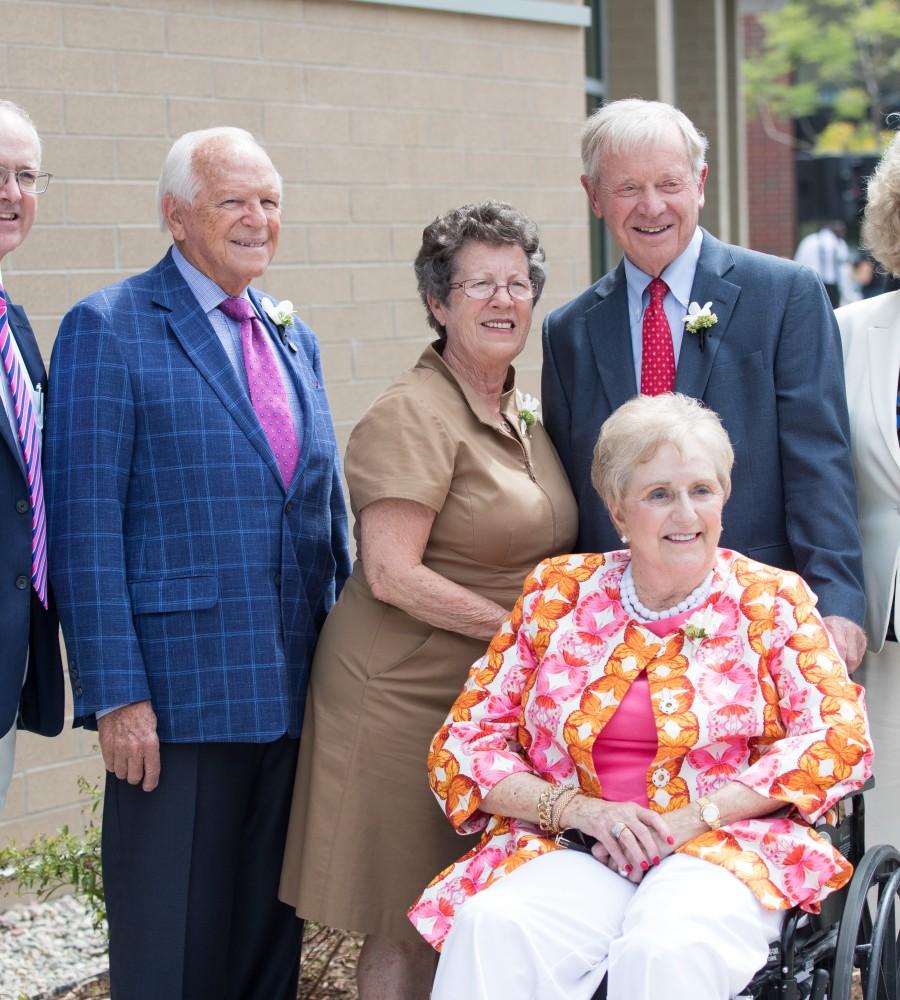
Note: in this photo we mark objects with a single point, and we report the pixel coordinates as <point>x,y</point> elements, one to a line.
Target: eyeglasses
<point>484,288</point>
<point>29,181</point>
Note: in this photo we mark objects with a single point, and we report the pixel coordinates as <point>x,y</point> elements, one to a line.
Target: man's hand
<point>129,744</point>
<point>849,639</point>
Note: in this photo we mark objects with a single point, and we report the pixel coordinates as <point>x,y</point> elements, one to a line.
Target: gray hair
<point>178,177</point>
<point>13,109</point>
<point>623,126</point>
<point>635,432</point>
<point>494,222</point>
<point>881,221</point>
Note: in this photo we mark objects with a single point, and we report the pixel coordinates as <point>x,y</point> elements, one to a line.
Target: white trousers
<point>553,928</point>
<point>7,759</point>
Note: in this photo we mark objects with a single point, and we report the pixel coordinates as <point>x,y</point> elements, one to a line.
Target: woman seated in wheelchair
<point>677,713</point>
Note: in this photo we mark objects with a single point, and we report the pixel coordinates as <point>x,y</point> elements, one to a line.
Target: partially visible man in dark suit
<point>199,539</point>
<point>31,678</point>
<point>765,355</point>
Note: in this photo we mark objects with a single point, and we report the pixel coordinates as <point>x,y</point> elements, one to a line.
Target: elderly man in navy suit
<point>199,539</point>
<point>31,678</point>
<point>751,335</point>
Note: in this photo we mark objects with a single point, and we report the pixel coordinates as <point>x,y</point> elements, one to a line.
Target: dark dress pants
<point>191,874</point>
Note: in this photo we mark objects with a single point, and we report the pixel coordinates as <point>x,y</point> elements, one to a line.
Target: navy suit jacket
<point>29,632</point>
<point>182,564</point>
<point>771,369</point>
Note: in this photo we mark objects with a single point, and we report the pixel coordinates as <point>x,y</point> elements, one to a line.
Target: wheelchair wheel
<point>868,934</point>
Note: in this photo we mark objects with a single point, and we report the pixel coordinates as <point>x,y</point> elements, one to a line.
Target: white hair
<point>13,109</point>
<point>178,177</point>
<point>623,126</point>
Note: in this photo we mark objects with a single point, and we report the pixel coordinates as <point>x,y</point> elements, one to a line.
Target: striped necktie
<point>28,437</point>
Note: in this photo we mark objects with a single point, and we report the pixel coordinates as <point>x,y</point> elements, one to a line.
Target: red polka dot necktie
<point>267,391</point>
<point>29,438</point>
<point>657,353</point>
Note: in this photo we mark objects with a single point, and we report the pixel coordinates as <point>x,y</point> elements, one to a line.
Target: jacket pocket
<point>179,593</point>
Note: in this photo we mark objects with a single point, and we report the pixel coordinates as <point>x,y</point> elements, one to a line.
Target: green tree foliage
<point>837,54</point>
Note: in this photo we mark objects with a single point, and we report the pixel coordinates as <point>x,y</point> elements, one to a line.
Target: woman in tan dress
<point>457,494</point>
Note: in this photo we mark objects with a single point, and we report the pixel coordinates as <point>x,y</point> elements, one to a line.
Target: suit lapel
<point>609,334</point>
<point>883,344</point>
<point>710,285</point>
<point>194,332</point>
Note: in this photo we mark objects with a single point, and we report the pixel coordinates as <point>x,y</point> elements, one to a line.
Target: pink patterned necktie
<point>267,391</point>
<point>30,441</point>
<point>657,353</point>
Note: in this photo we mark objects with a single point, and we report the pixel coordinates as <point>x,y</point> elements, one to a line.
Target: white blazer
<point>870,332</point>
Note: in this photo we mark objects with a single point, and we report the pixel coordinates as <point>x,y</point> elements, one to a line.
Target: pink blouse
<point>627,745</point>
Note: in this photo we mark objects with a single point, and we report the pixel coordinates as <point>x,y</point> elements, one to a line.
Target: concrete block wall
<point>378,118</point>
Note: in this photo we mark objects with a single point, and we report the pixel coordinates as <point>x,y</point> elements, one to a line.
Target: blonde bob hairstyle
<point>881,221</point>
<point>635,432</point>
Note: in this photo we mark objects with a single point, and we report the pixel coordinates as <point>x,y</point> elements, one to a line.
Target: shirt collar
<point>205,290</point>
<point>679,275</point>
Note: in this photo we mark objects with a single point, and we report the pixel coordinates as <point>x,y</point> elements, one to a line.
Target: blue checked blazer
<point>184,571</point>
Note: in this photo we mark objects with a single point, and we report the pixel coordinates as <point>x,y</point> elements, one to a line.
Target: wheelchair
<point>857,929</point>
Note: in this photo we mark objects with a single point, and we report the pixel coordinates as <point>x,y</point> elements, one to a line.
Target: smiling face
<point>230,230</point>
<point>18,151</point>
<point>672,515</point>
<point>485,335</point>
<point>650,197</point>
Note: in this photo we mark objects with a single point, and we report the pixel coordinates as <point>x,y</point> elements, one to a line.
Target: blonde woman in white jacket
<point>870,331</point>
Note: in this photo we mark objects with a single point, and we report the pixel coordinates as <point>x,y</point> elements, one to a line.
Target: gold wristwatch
<point>709,813</point>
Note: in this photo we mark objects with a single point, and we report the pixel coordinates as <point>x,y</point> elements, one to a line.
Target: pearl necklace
<point>635,609</point>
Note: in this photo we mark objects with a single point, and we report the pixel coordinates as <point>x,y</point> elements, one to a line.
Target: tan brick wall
<point>378,118</point>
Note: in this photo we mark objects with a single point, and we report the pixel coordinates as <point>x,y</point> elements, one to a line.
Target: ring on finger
<point>623,872</point>
<point>617,829</point>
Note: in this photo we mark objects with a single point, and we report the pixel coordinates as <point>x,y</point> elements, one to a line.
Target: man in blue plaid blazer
<point>192,582</point>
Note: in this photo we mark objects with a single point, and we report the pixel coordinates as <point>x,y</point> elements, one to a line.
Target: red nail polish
<point>656,860</point>
<point>628,869</point>
<point>645,866</point>
<point>670,839</point>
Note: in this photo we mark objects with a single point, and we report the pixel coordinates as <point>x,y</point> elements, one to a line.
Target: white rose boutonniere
<point>529,411</point>
<point>703,624</point>
<point>698,321</point>
<point>281,315</point>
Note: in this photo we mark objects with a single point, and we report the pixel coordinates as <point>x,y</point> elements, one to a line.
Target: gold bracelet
<point>545,806</point>
<point>560,804</point>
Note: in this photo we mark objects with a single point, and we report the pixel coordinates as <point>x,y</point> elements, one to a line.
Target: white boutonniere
<point>703,624</point>
<point>698,320</point>
<point>529,411</point>
<point>281,315</point>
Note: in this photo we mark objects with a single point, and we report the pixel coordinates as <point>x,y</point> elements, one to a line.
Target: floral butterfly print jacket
<point>757,694</point>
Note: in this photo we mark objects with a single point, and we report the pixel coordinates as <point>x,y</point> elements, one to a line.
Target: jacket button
<point>278,580</point>
<point>21,582</point>
<point>289,506</point>
<point>23,506</point>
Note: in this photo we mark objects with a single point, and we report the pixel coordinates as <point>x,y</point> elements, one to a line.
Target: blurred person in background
<point>826,252</point>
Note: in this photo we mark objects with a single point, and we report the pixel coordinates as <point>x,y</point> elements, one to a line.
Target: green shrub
<point>64,860</point>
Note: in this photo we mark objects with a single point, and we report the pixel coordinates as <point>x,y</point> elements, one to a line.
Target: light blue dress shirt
<point>679,276</point>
